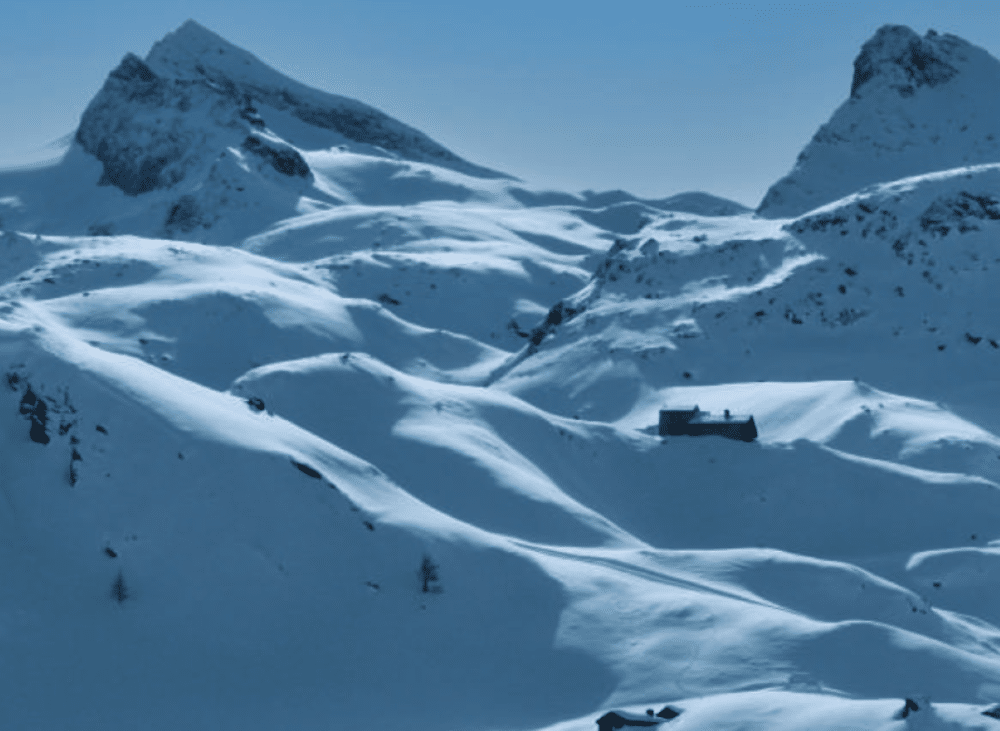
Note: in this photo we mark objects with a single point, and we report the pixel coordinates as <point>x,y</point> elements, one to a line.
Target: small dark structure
<point>908,706</point>
<point>620,719</point>
<point>307,470</point>
<point>695,422</point>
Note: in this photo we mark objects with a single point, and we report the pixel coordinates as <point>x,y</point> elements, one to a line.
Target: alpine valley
<point>308,423</point>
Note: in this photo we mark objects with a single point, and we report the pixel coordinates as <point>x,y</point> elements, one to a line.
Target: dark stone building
<point>613,720</point>
<point>695,422</point>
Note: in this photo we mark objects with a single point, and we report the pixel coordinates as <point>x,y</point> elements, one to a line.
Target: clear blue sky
<point>653,97</point>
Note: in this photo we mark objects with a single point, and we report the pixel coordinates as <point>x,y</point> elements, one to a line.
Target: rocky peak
<point>905,61</point>
<point>163,120</point>
<point>194,53</point>
<point>917,105</point>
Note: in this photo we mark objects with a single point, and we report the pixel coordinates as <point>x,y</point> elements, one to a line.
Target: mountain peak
<point>165,121</point>
<point>192,34</point>
<point>917,105</point>
<point>902,59</point>
<point>193,31</point>
<point>193,52</point>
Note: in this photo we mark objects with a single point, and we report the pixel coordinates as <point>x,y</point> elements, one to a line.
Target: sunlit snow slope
<point>310,424</point>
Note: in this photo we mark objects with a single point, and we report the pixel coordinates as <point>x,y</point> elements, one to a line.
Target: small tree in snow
<point>119,591</point>
<point>429,576</point>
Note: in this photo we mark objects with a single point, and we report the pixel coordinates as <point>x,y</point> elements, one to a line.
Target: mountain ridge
<point>193,53</point>
<point>203,141</point>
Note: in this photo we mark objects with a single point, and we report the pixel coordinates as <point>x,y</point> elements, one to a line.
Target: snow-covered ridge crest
<point>917,105</point>
<point>193,53</point>
<point>195,95</point>
<point>202,141</point>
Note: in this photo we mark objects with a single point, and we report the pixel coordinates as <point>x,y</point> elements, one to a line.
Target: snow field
<point>306,422</point>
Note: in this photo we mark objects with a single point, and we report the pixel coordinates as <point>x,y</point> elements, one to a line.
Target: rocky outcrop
<point>285,160</point>
<point>148,131</point>
<point>917,105</point>
<point>37,412</point>
<point>906,61</point>
<point>128,164</point>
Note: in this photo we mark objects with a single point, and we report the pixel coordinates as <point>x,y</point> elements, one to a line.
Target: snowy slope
<point>865,288</point>
<point>917,105</point>
<point>375,446</point>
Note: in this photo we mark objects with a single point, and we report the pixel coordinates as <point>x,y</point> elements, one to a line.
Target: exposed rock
<point>133,69</point>
<point>36,410</point>
<point>74,474</point>
<point>286,161</point>
<point>906,59</point>
<point>559,312</point>
<point>184,215</point>
<point>910,706</point>
<point>917,105</point>
<point>104,131</point>
<point>306,470</point>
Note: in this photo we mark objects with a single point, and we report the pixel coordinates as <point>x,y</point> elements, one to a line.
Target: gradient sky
<point>652,97</point>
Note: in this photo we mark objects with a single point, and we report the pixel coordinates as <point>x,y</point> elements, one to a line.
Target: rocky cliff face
<point>149,132</point>
<point>900,59</point>
<point>917,104</point>
<point>199,144</point>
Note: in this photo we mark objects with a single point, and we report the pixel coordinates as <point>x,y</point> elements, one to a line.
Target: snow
<point>377,443</point>
<point>192,53</point>
<point>917,105</point>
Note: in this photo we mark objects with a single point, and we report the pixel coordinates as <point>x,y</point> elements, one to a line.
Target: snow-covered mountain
<point>917,105</point>
<point>308,423</point>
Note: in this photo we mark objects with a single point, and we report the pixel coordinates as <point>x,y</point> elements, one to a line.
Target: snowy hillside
<point>308,423</point>
<point>866,288</point>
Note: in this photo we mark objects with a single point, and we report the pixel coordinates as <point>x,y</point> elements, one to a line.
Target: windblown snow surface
<point>308,423</point>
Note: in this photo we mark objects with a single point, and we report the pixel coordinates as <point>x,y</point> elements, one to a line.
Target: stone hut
<point>695,422</point>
